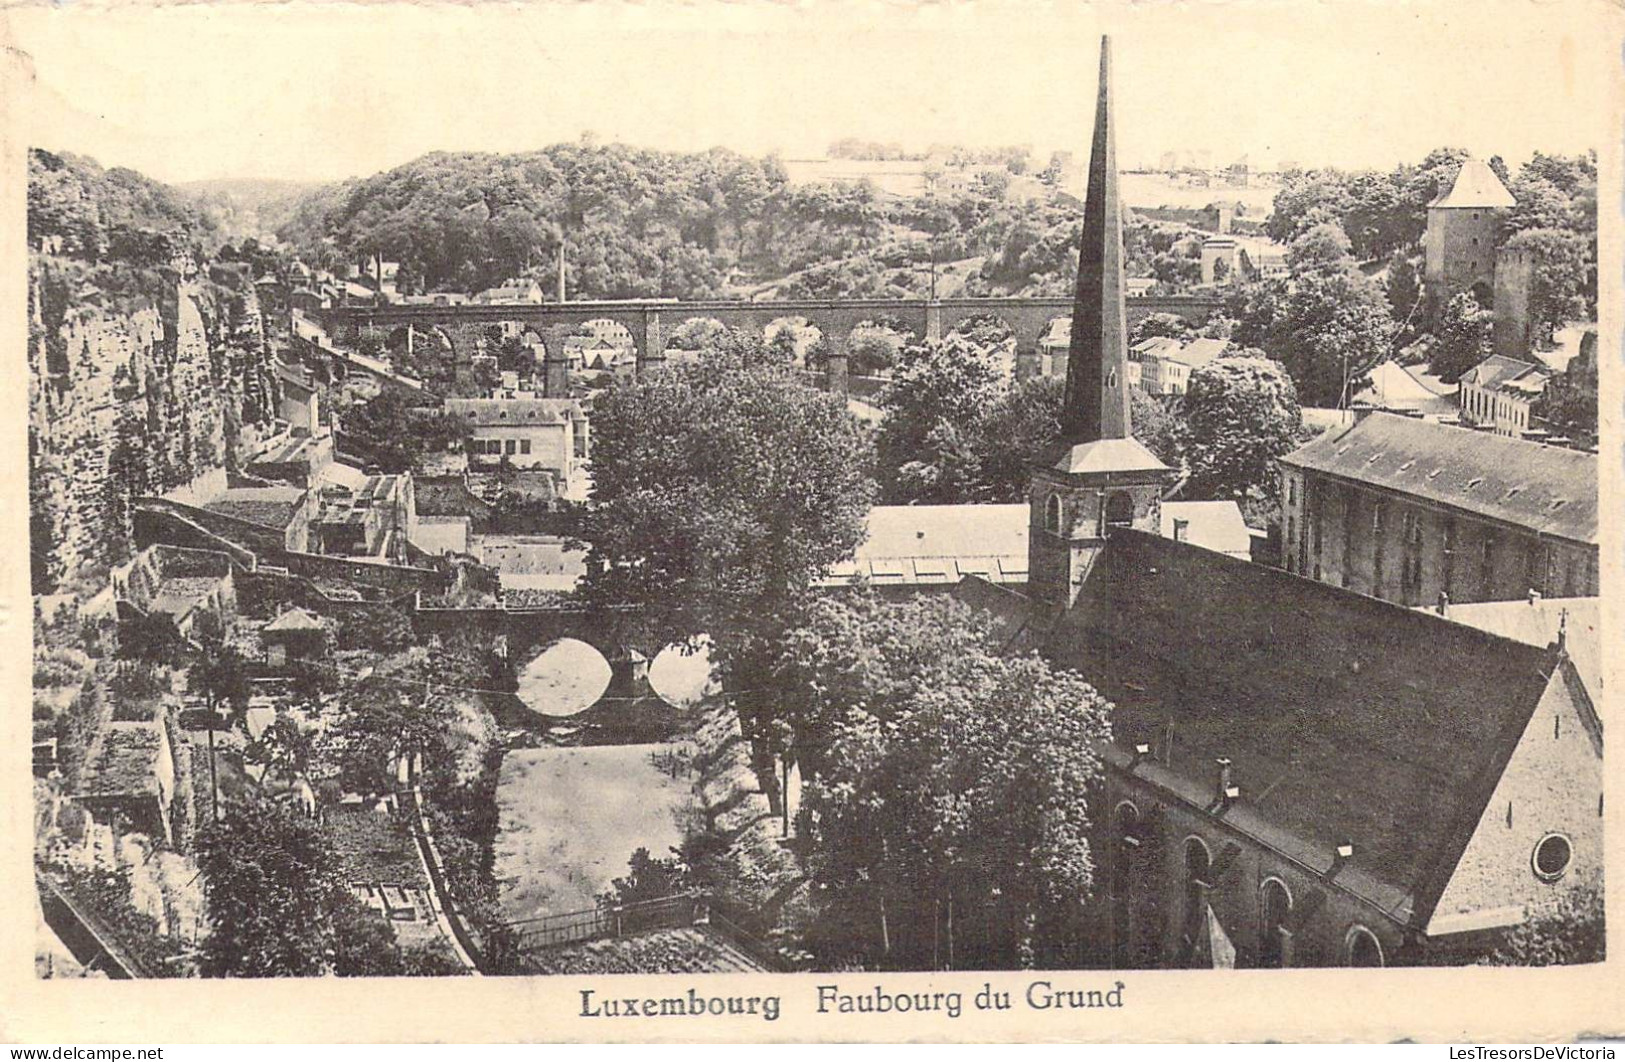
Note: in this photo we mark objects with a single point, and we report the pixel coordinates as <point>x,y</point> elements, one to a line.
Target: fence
<point>682,911</point>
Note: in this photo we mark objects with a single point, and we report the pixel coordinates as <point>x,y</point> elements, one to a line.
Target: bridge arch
<point>804,335</point>
<point>565,678</point>
<point>689,336</point>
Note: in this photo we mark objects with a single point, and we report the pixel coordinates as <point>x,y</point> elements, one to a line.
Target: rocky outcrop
<point>139,382</point>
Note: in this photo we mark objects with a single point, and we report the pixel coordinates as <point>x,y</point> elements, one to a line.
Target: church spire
<point>1097,399</point>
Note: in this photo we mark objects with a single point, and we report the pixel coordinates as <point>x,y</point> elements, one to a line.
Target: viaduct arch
<point>649,320</point>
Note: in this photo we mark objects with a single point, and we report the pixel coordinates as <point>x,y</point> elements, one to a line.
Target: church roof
<point>1104,455</point>
<point>936,544</point>
<point>1546,489</point>
<point>1340,724</point>
<point>1476,185</point>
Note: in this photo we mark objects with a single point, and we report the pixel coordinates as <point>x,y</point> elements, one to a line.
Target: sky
<point>309,92</point>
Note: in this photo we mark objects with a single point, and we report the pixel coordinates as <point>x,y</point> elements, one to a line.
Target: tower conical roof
<point>1476,185</point>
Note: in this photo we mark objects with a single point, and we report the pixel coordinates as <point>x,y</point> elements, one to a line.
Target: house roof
<point>1547,489</point>
<point>1393,386</point>
<point>124,760</point>
<point>447,496</point>
<point>295,619</point>
<point>1340,724</point>
<point>1535,622</point>
<point>511,412</point>
<point>1476,185</point>
<point>938,544</point>
<point>1215,525</point>
<point>273,507</point>
<point>1198,352</point>
<point>1498,369</point>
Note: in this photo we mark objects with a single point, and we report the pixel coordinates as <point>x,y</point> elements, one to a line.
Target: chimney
<point>1140,753</point>
<point>1225,788</point>
<point>1181,529</point>
<point>1534,596</point>
<point>1563,631</point>
<point>1341,857</point>
<point>1443,607</point>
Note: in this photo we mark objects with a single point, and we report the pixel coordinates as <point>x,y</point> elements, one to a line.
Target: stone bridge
<point>650,322</point>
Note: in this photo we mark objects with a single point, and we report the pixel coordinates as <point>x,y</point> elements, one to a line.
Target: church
<point>1300,774</point>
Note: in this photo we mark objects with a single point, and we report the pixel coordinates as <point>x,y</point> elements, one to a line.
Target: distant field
<point>1154,190</point>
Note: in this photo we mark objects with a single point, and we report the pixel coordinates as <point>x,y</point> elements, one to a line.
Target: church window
<point>1291,491</point>
<point>1274,938</point>
<point>1052,514</point>
<point>1552,857</point>
<point>1111,378</point>
<point>1361,947</point>
<point>1197,864</point>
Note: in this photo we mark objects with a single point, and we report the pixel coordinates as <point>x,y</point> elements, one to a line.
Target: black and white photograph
<point>763,489</point>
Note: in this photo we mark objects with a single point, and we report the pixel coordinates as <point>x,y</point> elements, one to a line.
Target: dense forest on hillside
<point>640,223</point>
<point>109,214</point>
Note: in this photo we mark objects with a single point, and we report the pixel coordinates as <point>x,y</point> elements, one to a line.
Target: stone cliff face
<point>139,382</point>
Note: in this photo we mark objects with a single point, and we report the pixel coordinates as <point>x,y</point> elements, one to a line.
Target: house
<point>186,585</point>
<point>1145,362</point>
<point>448,513</point>
<point>531,562</point>
<point>1215,525</point>
<point>1406,509</point>
<point>1499,394</point>
<point>1166,364</point>
<point>913,547</point>
<point>281,510</point>
<point>294,635</point>
<point>526,433</point>
<point>373,520</point>
<point>301,401</point>
<point>128,778</point>
<point>511,291</point>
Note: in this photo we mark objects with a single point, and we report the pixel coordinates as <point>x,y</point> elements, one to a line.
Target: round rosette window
<point>1552,857</point>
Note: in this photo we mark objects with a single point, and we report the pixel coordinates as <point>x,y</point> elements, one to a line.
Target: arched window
<point>1360,948</point>
<point>1119,510</point>
<point>1198,862</point>
<point>1052,514</point>
<point>1275,902</point>
<point>1127,843</point>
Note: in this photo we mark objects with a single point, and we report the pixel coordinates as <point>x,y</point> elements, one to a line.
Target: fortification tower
<point>1463,225</point>
<point>1098,476</point>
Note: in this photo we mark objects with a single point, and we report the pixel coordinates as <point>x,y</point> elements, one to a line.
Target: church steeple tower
<point>1097,476</point>
<point>1097,399</point>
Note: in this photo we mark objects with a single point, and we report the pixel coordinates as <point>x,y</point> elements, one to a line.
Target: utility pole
<point>561,270</point>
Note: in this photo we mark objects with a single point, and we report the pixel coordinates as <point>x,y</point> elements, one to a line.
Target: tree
<point>934,404</point>
<point>1568,405</point>
<point>1241,414</point>
<point>954,781</point>
<point>723,489</point>
<point>1155,325</point>
<point>277,904</point>
<point>1326,322</point>
<point>394,432</point>
<point>1462,337</point>
<point>220,676</point>
<point>646,879</point>
<point>1568,931</point>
